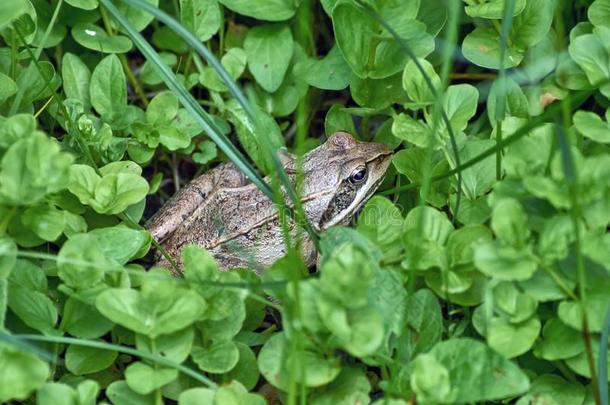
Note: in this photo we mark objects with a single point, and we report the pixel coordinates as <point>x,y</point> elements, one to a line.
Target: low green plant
<point>478,274</point>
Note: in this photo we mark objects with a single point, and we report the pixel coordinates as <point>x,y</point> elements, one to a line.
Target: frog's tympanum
<point>224,213</point>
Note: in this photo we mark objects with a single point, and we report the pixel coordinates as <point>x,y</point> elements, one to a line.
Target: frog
<point>226,214</point>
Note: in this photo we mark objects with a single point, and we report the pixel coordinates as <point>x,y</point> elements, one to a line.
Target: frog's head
<point>341,175</point>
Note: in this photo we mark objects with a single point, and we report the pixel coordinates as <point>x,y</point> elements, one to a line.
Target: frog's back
<point>224,213</point>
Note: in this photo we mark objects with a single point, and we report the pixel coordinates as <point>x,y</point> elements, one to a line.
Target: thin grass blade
<point>602,362</point>
<point>22,341</point>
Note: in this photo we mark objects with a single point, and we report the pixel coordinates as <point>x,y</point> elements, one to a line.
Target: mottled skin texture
<point>226,214</point>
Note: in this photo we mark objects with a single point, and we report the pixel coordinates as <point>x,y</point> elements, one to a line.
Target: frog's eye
<point>358,175</point>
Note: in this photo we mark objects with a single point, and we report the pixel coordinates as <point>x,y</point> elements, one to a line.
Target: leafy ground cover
<point>478,274</point>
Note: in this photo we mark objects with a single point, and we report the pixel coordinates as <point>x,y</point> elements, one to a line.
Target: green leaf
<point>173,346</point>
<point>108,89</point>
<point>29,276</point>
<point>8,256</point>
<point>11,10</point>
<point>552,389</point>
<point>250,138</point>
<point>80,262</point>
<point>110,194</point>
<point>144,379</point>
<point>425,322</point>
<point>430,223</point>
<point>411,130</point>
<point>510,339</point>
<point>217,358</point>
<point>381,221</point>
<point>34,308</point>
<point>246,370</point>
<point>559,341</point>
<point>599,13</point>
<point>76,79</point>
<point>570,312</point>
<point>350,387</point>
<point>86,360</point>
<point>504,262</point>
<point>201,17</point>
<point>207,152</point>
<point>128,308</point>
<point>37,82</point>
<point>16,127</point>
<point>482,47</point>
<point>21,373</point>
<point>162,108</point>
<point>475,372</point>
<point>493,9</point>
<point>328,73</point>
<point>338,119</point>
<point>269,50</point>
<point>346,275</point>
<point>196,396</point>
<point>370,51</point>
<point>592,126</point>
<point>460,104</point>
<point>95,38</point>
<point>420,95</point>
<point>431,381</point>
<point>515,305</point>
<point>137,17</point>
<point>274,362</point>
<point>530,154</point>
<point>267,10</point>
<point>377,93</point>
<point>8,87</point>
<point>590,53</point>
<point>120,242</point>
<point>509,222</point>
<point>359,331</point>
<point>516,104</point>
<point>533,24</point>
<point>45,221</point>
<point>279,104</point>
<point>56,394</point>
<point>480,178</point>
<point>83,4</point>
<point>234,62</point>
<point>32,168</point>
<point>119,393</point>
<point>84,320</point>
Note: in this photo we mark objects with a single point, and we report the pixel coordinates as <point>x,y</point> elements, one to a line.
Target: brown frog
<point>224,213</point>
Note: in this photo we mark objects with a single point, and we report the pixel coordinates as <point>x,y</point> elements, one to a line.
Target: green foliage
<point>488,289</point>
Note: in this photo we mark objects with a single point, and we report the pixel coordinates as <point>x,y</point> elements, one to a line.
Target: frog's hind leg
<point>178,208</point>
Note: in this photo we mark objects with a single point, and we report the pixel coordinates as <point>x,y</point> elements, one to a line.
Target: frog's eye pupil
<point>358,175</point>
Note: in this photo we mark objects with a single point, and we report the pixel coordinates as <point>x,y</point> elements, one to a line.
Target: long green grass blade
<point>108,346</point>
<point>25,346</point>
<point>235,91</point>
